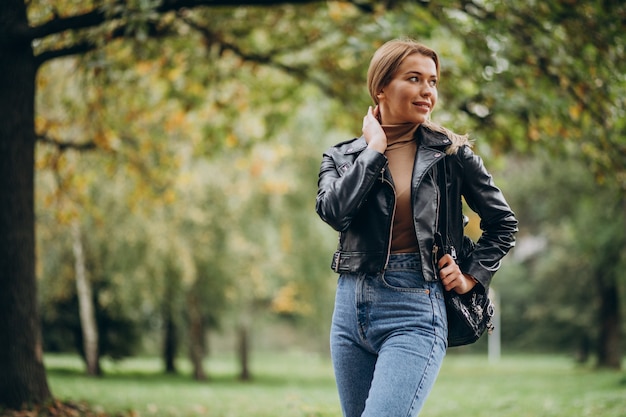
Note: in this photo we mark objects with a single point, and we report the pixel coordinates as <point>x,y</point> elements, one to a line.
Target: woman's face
<point>412,93</point>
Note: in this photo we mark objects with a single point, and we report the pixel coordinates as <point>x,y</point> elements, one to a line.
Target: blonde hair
<point>383,67</point>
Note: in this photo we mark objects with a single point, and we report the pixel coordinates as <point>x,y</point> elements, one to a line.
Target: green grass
<point>283,385</point>
<point>526,386</point>
<point>302,385</point>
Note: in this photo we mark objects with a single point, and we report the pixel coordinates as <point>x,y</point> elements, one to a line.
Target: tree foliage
<point>549,75</point>
<point>555,292</point>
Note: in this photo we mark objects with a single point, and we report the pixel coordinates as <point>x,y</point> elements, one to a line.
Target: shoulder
<point>349,147</point>
<point>470,165</point>
<point>456,142</point>
<point>465,157</point>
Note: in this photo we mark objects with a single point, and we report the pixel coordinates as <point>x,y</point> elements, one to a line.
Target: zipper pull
<point>453,252</point>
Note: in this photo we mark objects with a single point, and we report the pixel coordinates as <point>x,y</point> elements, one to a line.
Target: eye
<point>414,79</point>
<point>433,82</point>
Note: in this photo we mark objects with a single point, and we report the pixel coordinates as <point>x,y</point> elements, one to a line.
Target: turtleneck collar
<point>400,134</point>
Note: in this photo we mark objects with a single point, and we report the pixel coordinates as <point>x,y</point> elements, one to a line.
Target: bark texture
<point>23,378</point>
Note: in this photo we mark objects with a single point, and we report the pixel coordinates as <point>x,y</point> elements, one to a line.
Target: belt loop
<point>337,258</point>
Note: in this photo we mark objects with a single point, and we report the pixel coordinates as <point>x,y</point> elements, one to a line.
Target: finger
<point>450,283</point>
<point>451,276</point>
<point>376,111</point>
<point>444,271</point>
<point>444,261</point>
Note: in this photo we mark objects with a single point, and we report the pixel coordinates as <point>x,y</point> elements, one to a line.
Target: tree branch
<point>364,7</point>
<point>61,24</point>
<point>299,72</point>
<point>169,5</point>
<point>98,16</point>
<point>86,46</point>
<point>63,146</point>
<point>61,52</point>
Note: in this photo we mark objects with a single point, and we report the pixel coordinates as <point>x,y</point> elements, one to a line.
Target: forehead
<point>419,63</point>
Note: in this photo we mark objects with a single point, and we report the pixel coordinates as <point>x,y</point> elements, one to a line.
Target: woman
<point>380,191</point>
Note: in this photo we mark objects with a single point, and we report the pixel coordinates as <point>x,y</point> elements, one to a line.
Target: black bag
<point>470,314</point>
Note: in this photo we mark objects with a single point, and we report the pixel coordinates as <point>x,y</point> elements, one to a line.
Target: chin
<point>419,119</point>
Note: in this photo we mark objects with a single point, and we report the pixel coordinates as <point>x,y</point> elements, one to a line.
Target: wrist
<point>378,144</point>
<point>471,281</point>
<point>471,278</point>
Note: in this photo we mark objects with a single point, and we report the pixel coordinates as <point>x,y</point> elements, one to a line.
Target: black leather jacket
<point>356,197</point>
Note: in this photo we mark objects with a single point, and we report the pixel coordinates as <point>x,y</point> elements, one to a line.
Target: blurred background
<point>177,161</point>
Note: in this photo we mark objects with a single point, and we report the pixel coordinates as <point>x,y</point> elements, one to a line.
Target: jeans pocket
<point>404,281</point>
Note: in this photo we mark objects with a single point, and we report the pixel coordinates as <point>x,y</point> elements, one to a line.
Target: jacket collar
<point>425,137</point>
<point>430,138</point>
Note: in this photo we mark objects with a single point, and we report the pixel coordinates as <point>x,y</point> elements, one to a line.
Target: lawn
<point>301,385</point>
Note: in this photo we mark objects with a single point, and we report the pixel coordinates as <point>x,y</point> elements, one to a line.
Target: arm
<point>343,184</point>
<point>497,220</point>
<point>339,196</point>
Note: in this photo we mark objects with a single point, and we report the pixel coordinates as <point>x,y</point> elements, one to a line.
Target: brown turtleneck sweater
<point>400,153</point>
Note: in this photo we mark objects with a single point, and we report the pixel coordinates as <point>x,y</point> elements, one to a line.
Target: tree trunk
<point>243,341</point>
<point>196,337</point>
<point>86,308</point>
<point>23,377</point>
<point>169,345</point>
<point>609,349</point>
<point>170,336</point>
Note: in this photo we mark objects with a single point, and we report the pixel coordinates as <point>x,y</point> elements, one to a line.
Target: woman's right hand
<point>373,131</point>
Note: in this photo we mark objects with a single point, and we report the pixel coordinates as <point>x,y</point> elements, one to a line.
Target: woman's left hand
<point>452,278</point>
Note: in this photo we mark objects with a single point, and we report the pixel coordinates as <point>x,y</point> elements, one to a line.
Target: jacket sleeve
<point>497,220</point>
<point>343,185</point>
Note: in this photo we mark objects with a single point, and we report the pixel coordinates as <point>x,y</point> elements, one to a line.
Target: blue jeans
<point>388,339</point>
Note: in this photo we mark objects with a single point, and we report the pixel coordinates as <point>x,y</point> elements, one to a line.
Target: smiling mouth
<point>423,105</point>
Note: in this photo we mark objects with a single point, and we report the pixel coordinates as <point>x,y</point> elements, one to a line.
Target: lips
<point>424,105</point>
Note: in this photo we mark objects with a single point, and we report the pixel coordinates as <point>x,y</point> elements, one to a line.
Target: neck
<point>399,132</point>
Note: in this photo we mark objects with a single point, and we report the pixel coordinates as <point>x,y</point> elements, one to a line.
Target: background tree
<point>578,259</point>
<point>111,248</point>
<point>54,35</point>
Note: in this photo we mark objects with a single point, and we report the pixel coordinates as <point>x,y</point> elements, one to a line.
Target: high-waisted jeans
<point>388,339</point>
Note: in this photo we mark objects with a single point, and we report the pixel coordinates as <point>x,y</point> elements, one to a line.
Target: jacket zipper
<point>435,247</point>
<point>444,238</point>
<point>393,215</point>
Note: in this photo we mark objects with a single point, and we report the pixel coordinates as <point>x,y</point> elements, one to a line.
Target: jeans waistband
<point>404,261</point>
